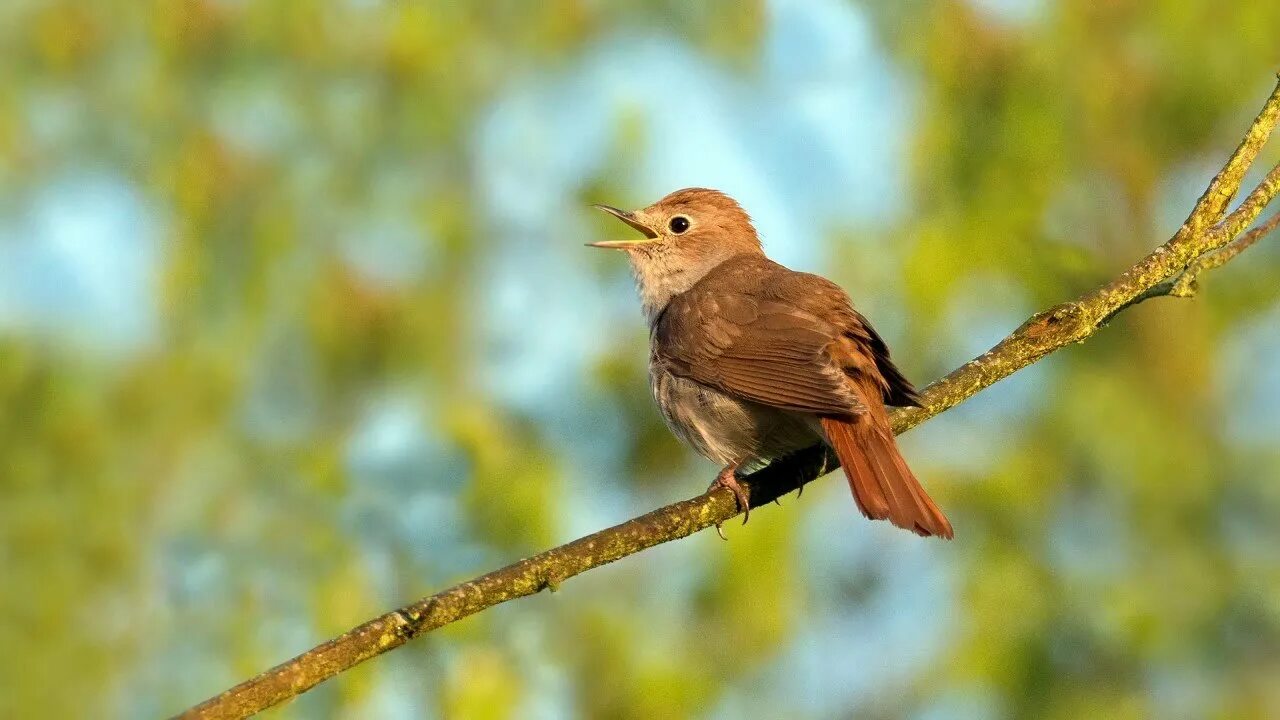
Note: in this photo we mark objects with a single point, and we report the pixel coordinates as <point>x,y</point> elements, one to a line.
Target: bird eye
<point>678,224</point>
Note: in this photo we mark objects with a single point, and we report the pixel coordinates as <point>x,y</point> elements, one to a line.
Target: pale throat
<point>661,276</point>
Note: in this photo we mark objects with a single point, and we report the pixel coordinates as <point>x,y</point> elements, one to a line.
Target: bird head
<point>690,224</point>
<point>686,235</point>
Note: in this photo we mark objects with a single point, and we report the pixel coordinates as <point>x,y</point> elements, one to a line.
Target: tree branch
<point>1209,238</point>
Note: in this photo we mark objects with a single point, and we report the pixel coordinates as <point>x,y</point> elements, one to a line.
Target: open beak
<point>630,219</point>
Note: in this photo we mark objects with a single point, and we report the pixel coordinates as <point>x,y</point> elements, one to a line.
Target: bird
<point>750,361</point>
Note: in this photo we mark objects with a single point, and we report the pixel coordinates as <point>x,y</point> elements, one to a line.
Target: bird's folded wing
<point>860,342</point>
<point>758,347</point>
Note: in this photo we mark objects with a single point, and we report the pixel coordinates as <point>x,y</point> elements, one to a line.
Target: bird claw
<point>726,479</point>
<point>720,532</point>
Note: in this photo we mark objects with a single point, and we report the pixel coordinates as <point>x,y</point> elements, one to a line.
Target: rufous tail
<point>883,486</point>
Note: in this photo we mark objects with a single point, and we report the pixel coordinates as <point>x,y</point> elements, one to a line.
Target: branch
<point>1209,238</point>
<point>1186,284</point>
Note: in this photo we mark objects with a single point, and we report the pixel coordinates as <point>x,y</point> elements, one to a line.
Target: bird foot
<point>727,479</point>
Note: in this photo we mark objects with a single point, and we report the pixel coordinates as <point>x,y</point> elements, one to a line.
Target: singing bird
<point>750,361</point>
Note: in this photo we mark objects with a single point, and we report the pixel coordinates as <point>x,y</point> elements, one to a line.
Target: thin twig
<point>1207,229</point>
<point>1186,284</point>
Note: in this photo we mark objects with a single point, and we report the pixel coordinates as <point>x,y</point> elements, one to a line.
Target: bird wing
<point>762,332</point>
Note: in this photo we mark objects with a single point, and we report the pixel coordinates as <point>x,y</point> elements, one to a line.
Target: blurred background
<point>297,325</point>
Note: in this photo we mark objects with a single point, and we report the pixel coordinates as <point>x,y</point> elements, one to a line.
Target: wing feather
<point>733,335</point>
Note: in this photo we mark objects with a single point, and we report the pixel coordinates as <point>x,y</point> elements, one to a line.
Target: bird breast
<point>723,428</point>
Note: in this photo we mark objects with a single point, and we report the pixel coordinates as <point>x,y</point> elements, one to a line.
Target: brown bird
<point>750,361</point>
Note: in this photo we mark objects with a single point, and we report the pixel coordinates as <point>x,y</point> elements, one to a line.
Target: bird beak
<point>630,219</point>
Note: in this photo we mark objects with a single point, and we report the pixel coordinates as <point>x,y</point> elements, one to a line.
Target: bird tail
<point>883,486</point>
